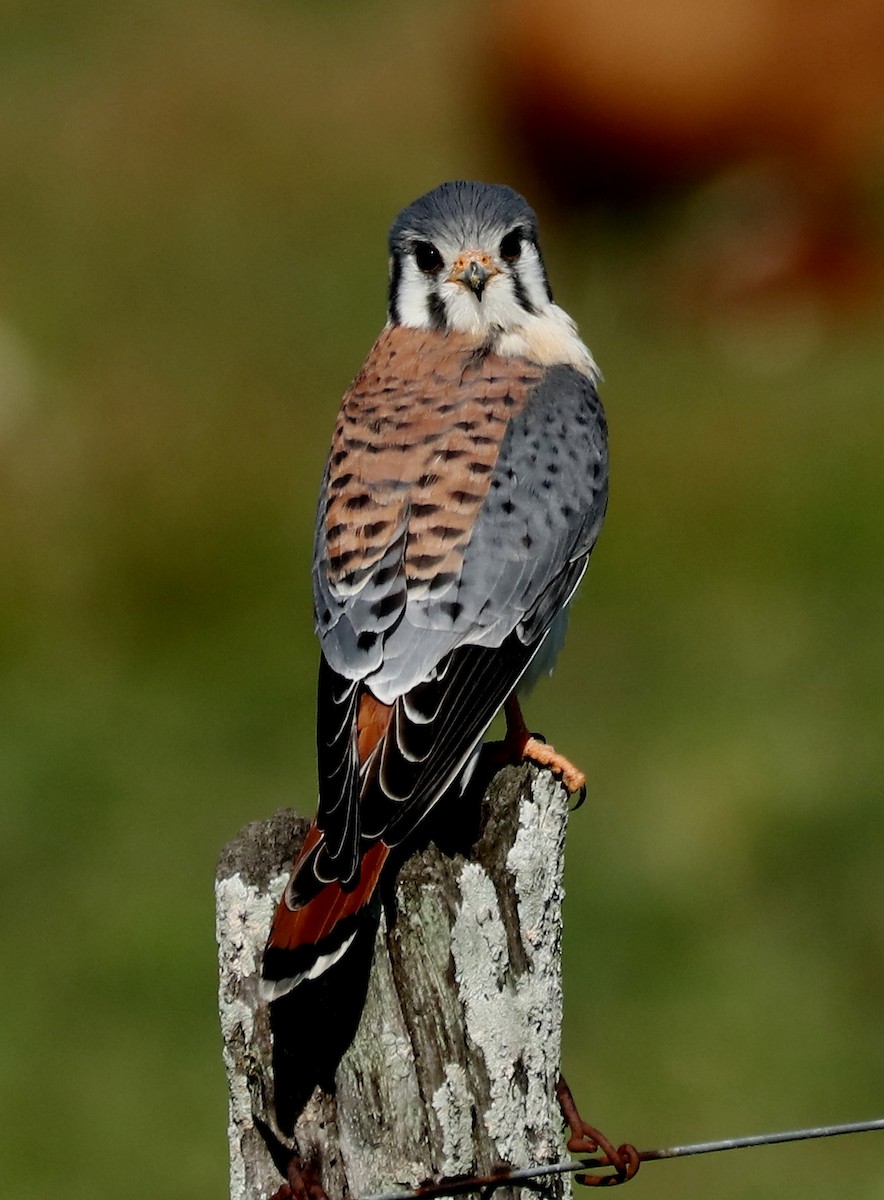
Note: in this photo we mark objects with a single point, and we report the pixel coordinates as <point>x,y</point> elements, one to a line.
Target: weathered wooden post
<point>455,1060</point>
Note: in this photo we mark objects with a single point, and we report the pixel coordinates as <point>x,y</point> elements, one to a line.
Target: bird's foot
<point>521,745</point>
<point>539,752</point>
<point>586,1139</point>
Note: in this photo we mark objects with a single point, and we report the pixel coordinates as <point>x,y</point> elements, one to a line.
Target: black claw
<point>538,737</point>
<point>581,799</point>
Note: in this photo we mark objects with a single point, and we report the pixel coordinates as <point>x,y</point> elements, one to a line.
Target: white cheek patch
<point>412,296</point>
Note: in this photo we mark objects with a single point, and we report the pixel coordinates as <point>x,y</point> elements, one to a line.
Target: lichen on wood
<point>454,1062</point>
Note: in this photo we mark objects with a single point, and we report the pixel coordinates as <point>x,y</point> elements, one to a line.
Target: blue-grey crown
<point>465,211</point>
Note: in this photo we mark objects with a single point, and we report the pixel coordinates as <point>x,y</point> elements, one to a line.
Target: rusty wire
<point>458,1185</point>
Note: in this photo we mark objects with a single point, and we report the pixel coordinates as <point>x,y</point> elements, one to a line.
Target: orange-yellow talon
<point>544,755</point>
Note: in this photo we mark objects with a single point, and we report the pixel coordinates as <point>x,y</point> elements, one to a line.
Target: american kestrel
<point>464,491</point>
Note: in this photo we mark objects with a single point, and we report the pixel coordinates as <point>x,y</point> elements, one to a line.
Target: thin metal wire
<point>763,1139</point>
<point>459,1185</point>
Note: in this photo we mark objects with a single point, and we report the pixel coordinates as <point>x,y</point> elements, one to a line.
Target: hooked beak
<point>473,271</point>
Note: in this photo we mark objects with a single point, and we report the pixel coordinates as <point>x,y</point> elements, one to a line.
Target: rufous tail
<point>310,935</point>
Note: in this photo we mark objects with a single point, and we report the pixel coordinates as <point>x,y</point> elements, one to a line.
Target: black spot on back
<point>386,605</point>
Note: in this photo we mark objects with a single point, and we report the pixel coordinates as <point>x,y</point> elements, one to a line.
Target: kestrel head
<point>465,257</point>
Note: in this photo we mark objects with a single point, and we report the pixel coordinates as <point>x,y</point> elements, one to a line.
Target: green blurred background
<point>194,201</point>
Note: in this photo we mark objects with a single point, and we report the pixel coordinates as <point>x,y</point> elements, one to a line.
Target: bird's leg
<point>585,1139</point>
<point>520,743</point>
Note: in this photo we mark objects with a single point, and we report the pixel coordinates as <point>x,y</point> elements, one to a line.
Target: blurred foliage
<point>193,207</point>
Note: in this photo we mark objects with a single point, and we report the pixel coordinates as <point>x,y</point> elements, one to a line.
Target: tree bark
<point>454,1063</point>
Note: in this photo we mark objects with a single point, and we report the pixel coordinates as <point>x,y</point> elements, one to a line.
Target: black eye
<point>427,257</point>
<point>511,245</point>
